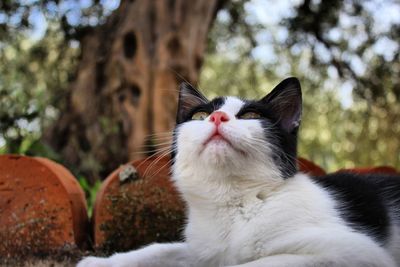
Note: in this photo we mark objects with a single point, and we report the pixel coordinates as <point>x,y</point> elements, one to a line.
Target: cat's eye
<point>200,115</point>
<point>250,115</point>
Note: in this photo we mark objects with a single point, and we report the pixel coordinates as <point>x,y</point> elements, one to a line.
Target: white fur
<point>242,213</point>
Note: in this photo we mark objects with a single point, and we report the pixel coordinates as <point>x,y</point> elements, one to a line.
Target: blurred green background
<point>345,53</point>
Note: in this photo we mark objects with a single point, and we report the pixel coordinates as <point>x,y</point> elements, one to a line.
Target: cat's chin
<point>220,151</point>
<point>218,143</point>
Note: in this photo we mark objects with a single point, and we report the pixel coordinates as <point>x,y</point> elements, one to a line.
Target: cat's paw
<point>95,262</point>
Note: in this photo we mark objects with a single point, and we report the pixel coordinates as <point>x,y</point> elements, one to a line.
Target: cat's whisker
<point>155,146</point>
<point>146,149</point>
<point>156,161</point>
<point>183,78</point>
<point>159,143</point>
<point>168,163</point>
<point>160,151</point>
<point>160,134</point>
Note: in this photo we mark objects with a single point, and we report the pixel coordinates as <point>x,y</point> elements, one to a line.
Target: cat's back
<point>369,203</point>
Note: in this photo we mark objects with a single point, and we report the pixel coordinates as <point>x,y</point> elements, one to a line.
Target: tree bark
<point>126,84</point>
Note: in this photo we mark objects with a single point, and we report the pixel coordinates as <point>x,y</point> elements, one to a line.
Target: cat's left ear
<point>189,97</point>
<point>286,104</point>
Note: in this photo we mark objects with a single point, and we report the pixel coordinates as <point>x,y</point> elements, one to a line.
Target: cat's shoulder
<point>366,184</point>
<point>365,201</point>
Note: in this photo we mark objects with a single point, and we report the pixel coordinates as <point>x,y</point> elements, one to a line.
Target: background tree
<point>125,88</point>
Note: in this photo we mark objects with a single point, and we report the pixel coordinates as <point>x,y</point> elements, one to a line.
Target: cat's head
<point>232,134</point>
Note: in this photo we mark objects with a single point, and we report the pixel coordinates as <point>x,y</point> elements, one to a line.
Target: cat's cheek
<point>193,135</point>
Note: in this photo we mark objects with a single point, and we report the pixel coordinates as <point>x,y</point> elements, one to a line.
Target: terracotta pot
<point>42,207</point>
<point>309,167</point>
<point>136,205</point>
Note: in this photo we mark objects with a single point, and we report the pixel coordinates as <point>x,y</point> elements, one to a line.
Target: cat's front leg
<point>282,260</point>
<point>289,260</point>
<point>155,255</point>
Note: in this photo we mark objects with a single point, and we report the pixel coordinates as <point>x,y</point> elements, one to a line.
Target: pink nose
<point>219,116</point>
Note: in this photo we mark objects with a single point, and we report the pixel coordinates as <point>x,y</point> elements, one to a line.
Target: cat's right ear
<point>286,104</point>
<point>189,97</point>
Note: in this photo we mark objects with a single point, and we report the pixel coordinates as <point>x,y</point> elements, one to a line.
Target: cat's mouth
<point>218,137</point>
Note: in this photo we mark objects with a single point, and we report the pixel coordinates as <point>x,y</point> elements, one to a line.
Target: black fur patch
<point>284,144</point>
<point>281,113</point>
<point>365,201</point>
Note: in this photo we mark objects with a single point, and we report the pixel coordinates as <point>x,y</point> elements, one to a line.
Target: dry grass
<point>56,259</point>
<point>45,263</point>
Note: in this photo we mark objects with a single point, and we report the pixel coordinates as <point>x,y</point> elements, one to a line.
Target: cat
<point>234,163</point>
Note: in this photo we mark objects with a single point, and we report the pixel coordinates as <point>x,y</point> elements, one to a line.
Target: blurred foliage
<point>74,17</point>
<point>90,192</point>
<point>39,52</point>
<point>346,54</point>
<point>33,81</point>
<point>360,39</point>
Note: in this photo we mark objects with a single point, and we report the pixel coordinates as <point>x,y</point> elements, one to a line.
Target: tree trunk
<point>126,84</point>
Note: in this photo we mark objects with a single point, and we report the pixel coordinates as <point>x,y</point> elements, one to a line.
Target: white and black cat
<point>235,165</point>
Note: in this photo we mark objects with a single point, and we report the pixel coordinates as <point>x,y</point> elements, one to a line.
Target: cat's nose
<point>219,116</point>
